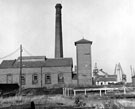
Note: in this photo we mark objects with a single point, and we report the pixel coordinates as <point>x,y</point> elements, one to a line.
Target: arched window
<point>47,79</point>
<point>101,83</point>
<point>9,78</point>
<point>60,78</point>
<point>34,78</point>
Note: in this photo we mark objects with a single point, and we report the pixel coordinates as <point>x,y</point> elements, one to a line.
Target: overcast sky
<point>110,24</point>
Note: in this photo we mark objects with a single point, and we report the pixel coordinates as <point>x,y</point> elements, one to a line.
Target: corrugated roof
<point>30,64</point>
<point>83,41</point>
<point>44,63</point>
<point>59,62</point>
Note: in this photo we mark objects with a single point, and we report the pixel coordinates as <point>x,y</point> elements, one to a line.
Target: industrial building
<point>37,71</point>
<point>106,79</point>
<point>40,71</point>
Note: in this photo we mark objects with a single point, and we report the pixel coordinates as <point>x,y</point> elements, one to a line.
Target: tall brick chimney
<point>58,33</point>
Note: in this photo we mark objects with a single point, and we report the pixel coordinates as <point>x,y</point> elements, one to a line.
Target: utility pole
<point>41,78</point>
<point>20,79</point>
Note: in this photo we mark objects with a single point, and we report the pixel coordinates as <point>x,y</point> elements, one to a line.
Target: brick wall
<point>84,64</point>
<point>28,72</point>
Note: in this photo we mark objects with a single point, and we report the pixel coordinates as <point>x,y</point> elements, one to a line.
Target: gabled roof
<point>34,63</point>
<point>83,41</point>
<point>7,63</point>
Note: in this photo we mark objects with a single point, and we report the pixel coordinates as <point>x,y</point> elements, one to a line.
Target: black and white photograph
<point>67,54</point>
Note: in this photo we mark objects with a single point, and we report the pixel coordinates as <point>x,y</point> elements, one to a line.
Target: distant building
<point>37,71</point>
<point>103,80</point>
<point>84,62</point>
<point>133,81</point>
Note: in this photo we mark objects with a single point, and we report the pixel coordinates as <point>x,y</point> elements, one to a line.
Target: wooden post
<point>100,92</point>
<point>85,91</point>
<point>124,90</point>
<point>68,91</point>
<point>105,91</point>
<point>63,91</point>
<point>20,76</point>
<point>41,78</point>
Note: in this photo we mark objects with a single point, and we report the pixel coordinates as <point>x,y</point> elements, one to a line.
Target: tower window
<point>47,79</point>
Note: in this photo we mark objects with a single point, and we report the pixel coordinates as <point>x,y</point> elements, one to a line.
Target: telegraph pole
<point>20,80</point>
<point>41,77</point>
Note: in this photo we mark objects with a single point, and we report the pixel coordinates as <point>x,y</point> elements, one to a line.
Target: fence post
<point>63,91</point>
<point>85,91</point>
<point>74,93</point>
<point>100,92</point>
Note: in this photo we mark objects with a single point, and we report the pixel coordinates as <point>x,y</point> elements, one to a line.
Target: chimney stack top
<point>58,33</point>
<point>58,6</point>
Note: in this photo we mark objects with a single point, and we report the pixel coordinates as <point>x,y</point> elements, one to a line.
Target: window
<point>23,81</point>
<point>47,79</point>
<point>9,78</point>
<point>60,78</point>
<point>34,79</point>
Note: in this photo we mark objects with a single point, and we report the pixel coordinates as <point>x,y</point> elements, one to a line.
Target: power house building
<point>37,71</point>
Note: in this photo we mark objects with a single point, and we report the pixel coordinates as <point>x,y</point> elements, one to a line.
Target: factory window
<point>34,79</point>
<point>60,78</point>
<point>23,79</point>
<point>9,78</point>
<point>47,79</point>
<point>102,83</point>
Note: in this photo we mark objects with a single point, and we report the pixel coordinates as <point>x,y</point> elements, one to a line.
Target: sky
<point>110,24</point>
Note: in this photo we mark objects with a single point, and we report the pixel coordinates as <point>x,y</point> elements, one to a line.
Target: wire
<point>27,52</point>
<point>9,54</point>
<point>15,52</point>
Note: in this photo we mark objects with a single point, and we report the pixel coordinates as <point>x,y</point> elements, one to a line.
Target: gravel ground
<point>57,100</point>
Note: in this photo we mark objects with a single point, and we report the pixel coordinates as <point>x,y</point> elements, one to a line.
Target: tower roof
<point>83,41</point>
